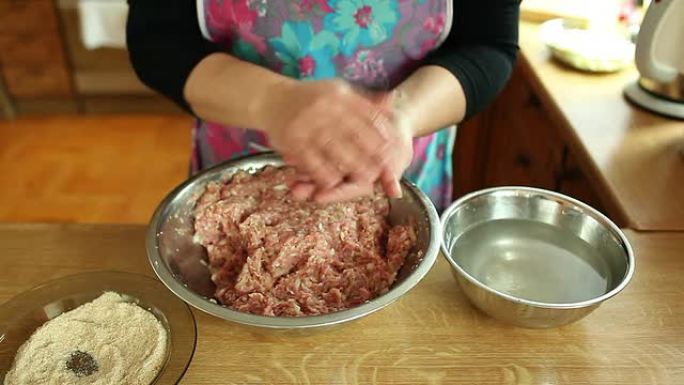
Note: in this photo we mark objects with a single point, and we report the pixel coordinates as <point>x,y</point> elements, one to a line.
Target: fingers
<point>303,178</point>
<point>351,161</point>
<point>341,155</point>
<point>347,144</point>
<point>373,128</point>
<point>390,183</point>
<point>344,192</point>
<point>370,136</point>
<point>341,140</point>
<point>303,191</point>
<point>347,190</point>
<point>324,173</point>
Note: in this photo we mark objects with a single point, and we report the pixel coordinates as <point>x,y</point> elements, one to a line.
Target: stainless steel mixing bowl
<point>180,263</point>
<point>569,218</point>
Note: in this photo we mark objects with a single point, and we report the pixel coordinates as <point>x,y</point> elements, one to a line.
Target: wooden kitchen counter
<point>431,336</point>
<point>631,155</point>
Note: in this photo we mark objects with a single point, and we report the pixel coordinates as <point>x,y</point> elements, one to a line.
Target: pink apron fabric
<point>372,43</point>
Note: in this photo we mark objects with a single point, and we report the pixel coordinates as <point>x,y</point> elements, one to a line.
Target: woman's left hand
<point>401,144</point>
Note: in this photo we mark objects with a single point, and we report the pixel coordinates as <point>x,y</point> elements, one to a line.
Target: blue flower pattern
<point>306,55</point>
<point>246,51</point>
<point>365,23</point>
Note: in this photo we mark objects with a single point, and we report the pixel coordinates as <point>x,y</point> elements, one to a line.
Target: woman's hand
<point>399,155</point>
<point>328,131</point>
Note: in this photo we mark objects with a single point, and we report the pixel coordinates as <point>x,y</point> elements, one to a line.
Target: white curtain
<point>103,23</point>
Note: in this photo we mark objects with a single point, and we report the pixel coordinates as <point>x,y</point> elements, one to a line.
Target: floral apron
<point>372,43</point>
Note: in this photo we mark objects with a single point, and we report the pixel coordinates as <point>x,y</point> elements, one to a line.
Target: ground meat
<point>272,255</point>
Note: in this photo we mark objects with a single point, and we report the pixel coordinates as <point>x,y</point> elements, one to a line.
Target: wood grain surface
<point>91,169</point>
<point>634,156</point>
<point>431,336</point>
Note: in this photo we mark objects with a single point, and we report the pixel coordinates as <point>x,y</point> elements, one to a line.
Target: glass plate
<point>23,314</point>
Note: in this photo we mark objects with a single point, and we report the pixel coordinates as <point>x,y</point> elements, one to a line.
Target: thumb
<point>390,183</point>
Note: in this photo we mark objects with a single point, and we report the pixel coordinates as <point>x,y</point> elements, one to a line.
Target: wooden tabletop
<point>634,155</point>
<point>431,336</point>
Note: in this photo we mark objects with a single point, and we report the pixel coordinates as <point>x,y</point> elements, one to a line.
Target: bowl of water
<point>532,257</point>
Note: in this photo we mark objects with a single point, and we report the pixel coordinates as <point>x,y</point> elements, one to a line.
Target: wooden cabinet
<point>37,80</point>
<point>30,48</point>
<point>45,68</point>
<point>573,182</point>
<point>31,52</point>
<point>27,16</point>
<point>523,148</point>
<point>514,142</point>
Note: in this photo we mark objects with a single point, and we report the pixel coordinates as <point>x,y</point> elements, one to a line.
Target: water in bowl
<point>532,260</point>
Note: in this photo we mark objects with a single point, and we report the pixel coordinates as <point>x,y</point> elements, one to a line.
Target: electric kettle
<point>660,60</point>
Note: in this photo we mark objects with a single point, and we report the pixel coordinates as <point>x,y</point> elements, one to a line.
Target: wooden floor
<point>92,169</point>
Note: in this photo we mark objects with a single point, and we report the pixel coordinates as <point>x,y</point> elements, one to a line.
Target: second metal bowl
<point>533,257</point>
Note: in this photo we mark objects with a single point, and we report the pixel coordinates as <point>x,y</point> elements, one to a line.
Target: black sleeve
<point>165,44</point>
<point>481,48</point>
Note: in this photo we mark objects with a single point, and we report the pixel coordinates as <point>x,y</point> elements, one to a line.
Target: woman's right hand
<point>327,130</point>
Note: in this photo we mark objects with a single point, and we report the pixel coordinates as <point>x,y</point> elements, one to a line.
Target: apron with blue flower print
<point>372,43</point>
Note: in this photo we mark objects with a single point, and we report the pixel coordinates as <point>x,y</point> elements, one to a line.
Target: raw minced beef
<point>272,255</point>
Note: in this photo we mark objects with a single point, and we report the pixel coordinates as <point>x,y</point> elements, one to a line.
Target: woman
<point>351,92</point>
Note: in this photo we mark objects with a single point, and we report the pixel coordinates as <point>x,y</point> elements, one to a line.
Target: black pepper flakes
<point>81,363</point>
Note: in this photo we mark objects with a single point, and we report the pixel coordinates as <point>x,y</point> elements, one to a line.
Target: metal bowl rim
<point>598,216</point>
<point>202,303</point>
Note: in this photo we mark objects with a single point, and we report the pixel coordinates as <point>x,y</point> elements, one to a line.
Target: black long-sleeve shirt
<point>165,43</point>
